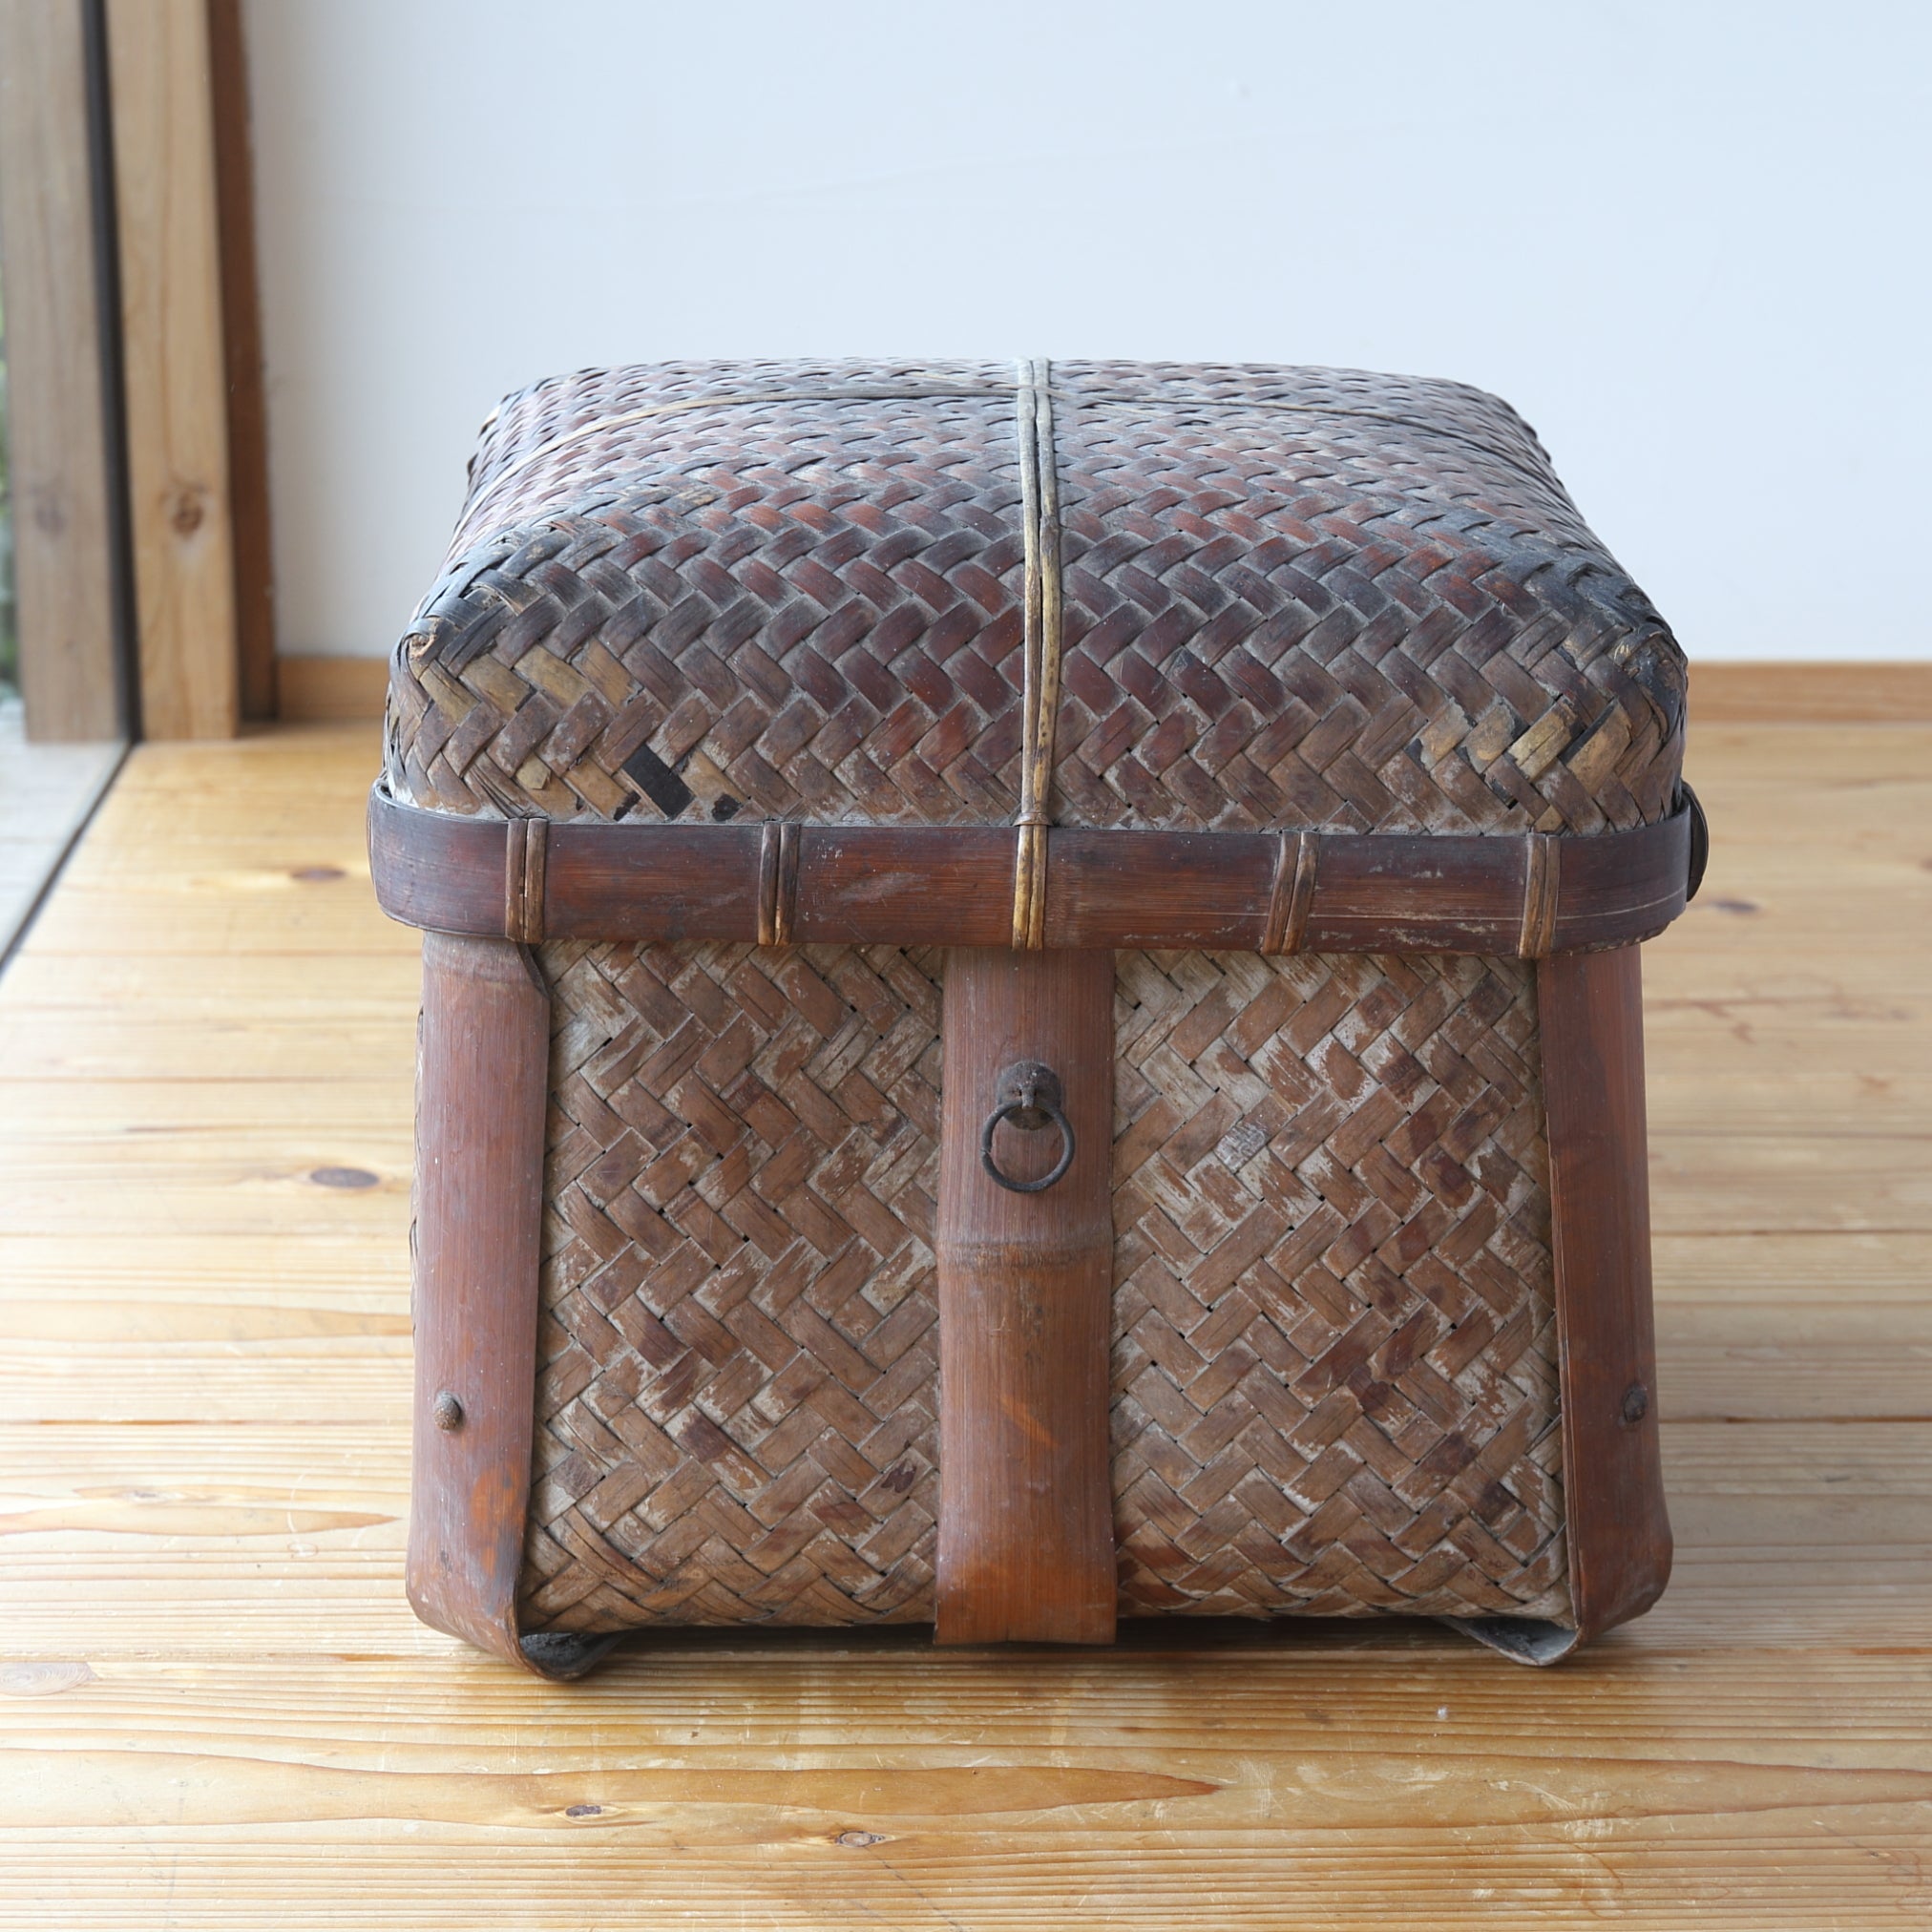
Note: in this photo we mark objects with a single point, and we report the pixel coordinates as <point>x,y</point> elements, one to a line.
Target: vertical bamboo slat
<point>1026,1532</point>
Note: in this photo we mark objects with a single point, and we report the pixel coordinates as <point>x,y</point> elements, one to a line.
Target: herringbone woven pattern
<point>1292,595</point>
<point>738,1378</point>
<point>1334,1372</point>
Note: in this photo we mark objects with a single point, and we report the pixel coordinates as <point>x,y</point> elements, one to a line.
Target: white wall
<point>1687,238</point>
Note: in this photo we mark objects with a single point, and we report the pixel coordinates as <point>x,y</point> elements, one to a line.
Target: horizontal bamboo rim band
<point>779,882</point>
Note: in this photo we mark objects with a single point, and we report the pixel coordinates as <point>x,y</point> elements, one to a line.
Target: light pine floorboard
<point>216,1710</point>
<point>46,793</point>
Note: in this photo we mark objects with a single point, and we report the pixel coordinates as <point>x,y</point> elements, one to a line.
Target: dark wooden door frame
<point>58,271</point>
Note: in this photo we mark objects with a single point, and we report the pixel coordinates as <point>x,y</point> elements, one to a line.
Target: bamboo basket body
<point>701,592</point>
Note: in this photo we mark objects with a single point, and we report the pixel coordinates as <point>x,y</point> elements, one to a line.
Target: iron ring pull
<point>1030,1096</point>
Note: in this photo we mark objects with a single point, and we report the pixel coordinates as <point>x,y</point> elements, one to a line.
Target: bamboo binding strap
<point>525,845</point>
<point>1292,893</point>
<point>1039,704</point>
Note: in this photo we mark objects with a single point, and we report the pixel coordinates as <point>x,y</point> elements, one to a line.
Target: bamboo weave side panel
<point>1335,1357</point>
<point>738,1367</point>
<point>737,1389</point>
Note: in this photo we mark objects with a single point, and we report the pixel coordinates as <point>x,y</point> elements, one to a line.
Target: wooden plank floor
<point>218,1711</point>
<point>46,794</point>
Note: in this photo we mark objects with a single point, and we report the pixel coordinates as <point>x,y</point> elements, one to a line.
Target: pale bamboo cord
<point>1040,515</point>
<point>1543,862</point>
<point>1293,893</point>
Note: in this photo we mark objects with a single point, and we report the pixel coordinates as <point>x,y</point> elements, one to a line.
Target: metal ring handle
<point>1038,1098</point>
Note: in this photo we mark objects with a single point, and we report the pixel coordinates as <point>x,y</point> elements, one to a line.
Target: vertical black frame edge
<point>113,384</point>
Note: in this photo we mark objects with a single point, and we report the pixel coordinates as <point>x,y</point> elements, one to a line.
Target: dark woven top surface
<point>1293,596</point>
